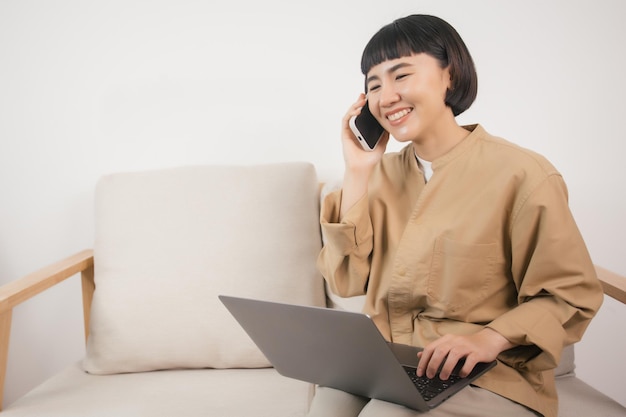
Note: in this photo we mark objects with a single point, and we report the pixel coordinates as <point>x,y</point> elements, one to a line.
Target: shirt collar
<point>476,131</point>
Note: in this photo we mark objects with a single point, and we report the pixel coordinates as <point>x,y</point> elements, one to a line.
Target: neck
<point>440,143</point>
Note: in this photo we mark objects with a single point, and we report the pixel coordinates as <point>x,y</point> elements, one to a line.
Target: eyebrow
<point>389,71</point>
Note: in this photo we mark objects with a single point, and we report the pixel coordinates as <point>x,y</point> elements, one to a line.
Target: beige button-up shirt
<point>488,241</point>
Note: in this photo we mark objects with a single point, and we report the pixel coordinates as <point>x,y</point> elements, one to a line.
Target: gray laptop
<point>342,350</point>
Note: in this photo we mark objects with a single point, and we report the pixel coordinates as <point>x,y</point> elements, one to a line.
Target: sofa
<point>158,341</point>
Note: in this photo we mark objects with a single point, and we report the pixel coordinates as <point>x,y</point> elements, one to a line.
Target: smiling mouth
<point>395,116</point>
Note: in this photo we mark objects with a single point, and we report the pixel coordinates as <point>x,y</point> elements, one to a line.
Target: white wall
<point>93,87</point>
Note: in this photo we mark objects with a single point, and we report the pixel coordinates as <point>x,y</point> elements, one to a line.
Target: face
<point>407,96</point>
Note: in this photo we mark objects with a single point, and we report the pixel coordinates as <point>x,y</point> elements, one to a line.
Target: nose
<point>388,96</point>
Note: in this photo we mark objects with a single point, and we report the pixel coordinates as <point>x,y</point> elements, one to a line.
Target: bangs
<point>398,40</point>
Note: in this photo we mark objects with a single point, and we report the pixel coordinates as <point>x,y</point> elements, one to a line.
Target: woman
<point>462,242</point>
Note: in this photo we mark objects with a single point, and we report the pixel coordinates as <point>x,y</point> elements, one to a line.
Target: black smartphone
<point>366,128</point>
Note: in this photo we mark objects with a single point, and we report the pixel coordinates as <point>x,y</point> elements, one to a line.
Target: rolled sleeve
<point>558,290</point>
<point>344,259</point>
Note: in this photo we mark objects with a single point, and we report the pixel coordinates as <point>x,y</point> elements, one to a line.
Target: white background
<point>94,87</point>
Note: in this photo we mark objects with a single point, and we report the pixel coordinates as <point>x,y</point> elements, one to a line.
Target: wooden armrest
<point>24,288</point>
<point>614,285</point>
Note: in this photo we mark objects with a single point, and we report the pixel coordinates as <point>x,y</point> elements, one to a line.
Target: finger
<point>359,103</point>
<point>355,109</point>
<point>436,360</point>
<point>422,364</point>
<point>448,366</point>
<point>426,354</point>
<point>468,366</point>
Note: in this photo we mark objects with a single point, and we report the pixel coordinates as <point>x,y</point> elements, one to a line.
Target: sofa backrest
<point>168,242</point>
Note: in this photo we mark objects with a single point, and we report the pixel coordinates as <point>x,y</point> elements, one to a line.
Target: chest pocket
<point>461,275</point>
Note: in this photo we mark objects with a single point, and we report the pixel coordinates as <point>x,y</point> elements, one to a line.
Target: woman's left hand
<point>446,352</point>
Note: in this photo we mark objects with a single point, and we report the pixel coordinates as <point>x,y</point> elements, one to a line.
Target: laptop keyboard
<point>430,388</point>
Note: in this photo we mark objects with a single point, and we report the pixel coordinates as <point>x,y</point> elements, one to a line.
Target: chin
<point>403,134</point>
<point>402,137</point>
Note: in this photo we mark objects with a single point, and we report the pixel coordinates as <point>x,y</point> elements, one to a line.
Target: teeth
<point>399,114</point>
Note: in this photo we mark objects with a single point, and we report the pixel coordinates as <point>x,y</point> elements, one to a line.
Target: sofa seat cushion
<point>578,399</point>
<point>224,393</point>
<point>197,392</point>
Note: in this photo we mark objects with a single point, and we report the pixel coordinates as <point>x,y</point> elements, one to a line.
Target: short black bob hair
<point>416,34</point>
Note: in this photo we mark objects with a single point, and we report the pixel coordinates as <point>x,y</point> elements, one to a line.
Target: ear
<point>447,78</point>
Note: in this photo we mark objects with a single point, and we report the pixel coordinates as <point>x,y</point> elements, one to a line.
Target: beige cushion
<point>168,242</point>
<point>577,399</point>
<point>188,393</point>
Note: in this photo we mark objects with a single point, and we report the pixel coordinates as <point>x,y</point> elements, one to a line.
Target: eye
<point>401,76</point>
<point>373,87</point>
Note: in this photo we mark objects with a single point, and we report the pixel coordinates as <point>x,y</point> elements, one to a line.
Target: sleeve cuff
<point>527,326</point>
<point>350,233</point>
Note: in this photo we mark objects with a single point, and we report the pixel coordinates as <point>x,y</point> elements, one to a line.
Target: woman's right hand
<point>355,157</point>
<point>359,162</point>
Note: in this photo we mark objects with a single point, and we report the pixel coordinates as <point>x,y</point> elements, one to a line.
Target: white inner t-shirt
<point>427,167</point>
